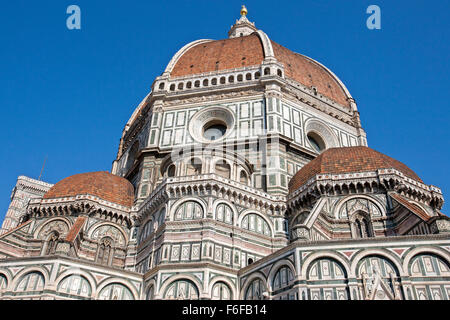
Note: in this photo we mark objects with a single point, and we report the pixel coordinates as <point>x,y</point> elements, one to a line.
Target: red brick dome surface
<point>348,160</point>
<point>248,51</point>
<point>102,184</point>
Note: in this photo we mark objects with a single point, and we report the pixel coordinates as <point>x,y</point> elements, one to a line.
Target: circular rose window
<point>211,124</point>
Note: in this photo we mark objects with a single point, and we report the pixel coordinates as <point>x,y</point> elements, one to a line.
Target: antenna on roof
<point>42,170</point>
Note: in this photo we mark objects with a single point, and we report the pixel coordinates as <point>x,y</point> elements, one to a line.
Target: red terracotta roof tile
<point>348,160</point>
<point>102,184</point>
<point>411,206</point>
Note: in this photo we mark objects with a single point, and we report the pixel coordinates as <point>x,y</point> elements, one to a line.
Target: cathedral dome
<point>348,160</point>
<point>205,56</point>
<point>101,184</point>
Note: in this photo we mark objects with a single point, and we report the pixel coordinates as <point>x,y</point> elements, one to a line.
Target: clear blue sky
<point>68,94</point>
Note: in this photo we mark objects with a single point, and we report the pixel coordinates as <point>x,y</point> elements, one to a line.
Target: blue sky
<point>68,94</point>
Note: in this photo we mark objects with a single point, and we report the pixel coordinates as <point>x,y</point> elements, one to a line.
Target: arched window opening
<point>316,142</point>
<point>248,76</point>
<point>221,291</point>
<point>115,291</point>
<point>31,282</point>
<point>224,213</point>
<point>180,86</point>
<point>105,251</point>
<point>132,155</point>
<point>161,86</point>
<point>223,169</point>
<point>194,167</point>
<point>279,73</point>
<point>197,84</point>
<point>255,290</point>
<point>172,87</point>
<point>171,171</point>
<point>255,223</point>
<point>214,81</point>
<point>282,278</point>
<point>75,285</point>
<point>189,85</point>
<point>230,79</point>
<point>362,227</point>
<point>266,71</point>
<point>222,80</point>
<point>189,210</point>
<point>240,78</point>
<point>182,290</point>
<point>257,75</point>
<point>52,242</point>
<point>249,261</point>
<point>205,82</point>
<point>243,178</point>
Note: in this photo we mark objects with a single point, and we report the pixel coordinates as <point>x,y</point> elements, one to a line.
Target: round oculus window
<point>214,131</point>
<point>316,142</point>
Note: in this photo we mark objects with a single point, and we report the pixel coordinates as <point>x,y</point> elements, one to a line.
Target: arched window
<point>222,80</point>
<point>224,213</point>
<point>115,291</point>
<point>3,282</point>
<point>214,81</point>
<point>361,225</point>
<point>254,222</point>
<point>282,278</point>
<point>197,84</point>
<point>182,290</point>
<point>189,210</point>
<point>180,86</point>
<point>132,155</point>
<point>194,167</point>
<point>316,142</point>
<point>31,283</point>
<point>423,269</point>
<point>205,82</point>
<point>243,178</point>
<point>171,171</point>
<point>189,85</point>
<point>279,73</point>
<point>172,87</point>
<point>161,86</point>
<point>162,217</point>
<point>231,79</point>
<point>105,251</point>
<point>266,71</point>
<point>146,230</point>
<point>248,76</point>
<point>150,293</point>
<point>328,280</point>
<point>52,242</point>
<point>255,290</point>
<point>221,291</point>
<point>223,169</point>
<point>240,78</point>
<point>75,285</point>
<point>257,75</point>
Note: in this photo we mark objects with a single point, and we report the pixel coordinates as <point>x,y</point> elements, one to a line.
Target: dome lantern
<point>242,27</point>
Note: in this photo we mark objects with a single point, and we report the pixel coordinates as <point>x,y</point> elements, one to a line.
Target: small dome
<point>101,184</point>
<point>348,160</point>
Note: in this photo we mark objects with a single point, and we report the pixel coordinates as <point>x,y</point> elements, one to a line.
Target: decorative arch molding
<point>323,130</point>
<point>232,207</point>
<point>94,228</point>
<point>342,202</point>
<point>390,256</point>
<point>251,211</point>
<point>273,271</point>
<point>172,279</point>
<point>176,204</point>
<point>180,52</point>
<point>8,276</point>
<point>18,277</point>
<point>249,280</point>
<point>113,280</point>
<point>148,285</point>
<point>76,272</point>
<point>45,224</point>
<point>225,280</point>
<point>340,258</point>
<point>441,253</point>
